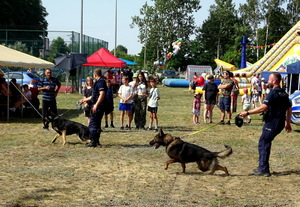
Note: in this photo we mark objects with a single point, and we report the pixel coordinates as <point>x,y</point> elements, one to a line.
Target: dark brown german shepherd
<point>65,127</point>
<point>184,152</point>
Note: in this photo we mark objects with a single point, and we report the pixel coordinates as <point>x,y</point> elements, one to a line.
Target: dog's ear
<point>161,133</point>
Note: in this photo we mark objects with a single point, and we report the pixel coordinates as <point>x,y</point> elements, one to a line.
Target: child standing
<point>87,92</point>
<point>255,97</point>
<point>246,102</point>
<point>110,104</point>
<point>125,93</point>
<point>153,104</point>
<point>196,107</point>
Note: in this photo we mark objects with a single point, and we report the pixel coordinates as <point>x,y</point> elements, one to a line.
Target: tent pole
<point>80,50</point>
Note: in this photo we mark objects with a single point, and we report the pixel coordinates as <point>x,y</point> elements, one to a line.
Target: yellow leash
<point>200,130</point>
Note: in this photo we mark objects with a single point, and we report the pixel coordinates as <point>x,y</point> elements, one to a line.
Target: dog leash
<point>200,130</point>
<point>27,99</point>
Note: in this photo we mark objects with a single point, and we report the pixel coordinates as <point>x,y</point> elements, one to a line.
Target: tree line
<point>161,22</point>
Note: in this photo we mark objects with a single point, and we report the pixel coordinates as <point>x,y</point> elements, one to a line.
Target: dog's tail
<point>224,153</point>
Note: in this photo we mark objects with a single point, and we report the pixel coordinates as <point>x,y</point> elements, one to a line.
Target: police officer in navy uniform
<point>277,115</point>
<point>98,100</point>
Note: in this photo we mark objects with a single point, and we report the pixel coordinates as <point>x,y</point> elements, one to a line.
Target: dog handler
<point>99,103</point>
<point>277,108</point>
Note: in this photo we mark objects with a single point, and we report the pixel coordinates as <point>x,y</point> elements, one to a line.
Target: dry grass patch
<point>126,171</point>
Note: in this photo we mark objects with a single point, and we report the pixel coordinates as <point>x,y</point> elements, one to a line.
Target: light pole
<point>116,27</point>
<point>80,50</point>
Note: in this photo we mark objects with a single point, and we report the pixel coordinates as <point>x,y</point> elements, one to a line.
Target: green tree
<point>277,20</point>
<point>293,11</point>
<point>252,15</point>
<point>24,15</point>
<point>57,48</point>
<point>219,34</point>
<point>122,48</point>
<point>19,46</point>
<point>162,23</point>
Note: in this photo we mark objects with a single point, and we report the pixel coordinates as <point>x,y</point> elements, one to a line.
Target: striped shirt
<point>49,95</point>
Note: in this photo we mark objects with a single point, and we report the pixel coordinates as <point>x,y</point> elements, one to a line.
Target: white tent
<point>13,58</point>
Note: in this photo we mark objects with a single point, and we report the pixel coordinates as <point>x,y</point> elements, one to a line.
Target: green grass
<point>126,171</point>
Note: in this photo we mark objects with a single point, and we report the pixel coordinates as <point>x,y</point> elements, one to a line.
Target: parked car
<point>169,74</point>
<point>21,77</point>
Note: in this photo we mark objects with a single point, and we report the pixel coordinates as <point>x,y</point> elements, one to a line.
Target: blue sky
<point>99,19</point>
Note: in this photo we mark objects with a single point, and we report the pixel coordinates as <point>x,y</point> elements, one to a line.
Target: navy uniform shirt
<point>100,85</point>
<point>278,102</point>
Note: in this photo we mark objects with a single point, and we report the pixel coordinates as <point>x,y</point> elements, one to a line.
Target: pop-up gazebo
<point>103,58</point>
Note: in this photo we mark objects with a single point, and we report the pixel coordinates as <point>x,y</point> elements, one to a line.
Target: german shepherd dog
<point>184,152</point>
<point>65,127</point>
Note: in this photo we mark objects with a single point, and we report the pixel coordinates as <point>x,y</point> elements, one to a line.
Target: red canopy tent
<point>103,58</point>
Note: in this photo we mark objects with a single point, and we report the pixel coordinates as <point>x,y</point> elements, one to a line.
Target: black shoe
<point>156,130</point>
<point>222,122</point>
<point>112,126</point>
<point>91,144</point>
<point>211,122</point>
<point>122,128</point>
<point>228,123</point>
<point>106,126</point>
<point>257,172</point>
<point>126,127</point>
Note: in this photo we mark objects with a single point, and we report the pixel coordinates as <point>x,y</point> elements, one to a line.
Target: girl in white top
<point>141,102</point>
<point>125,93</point>
<point>153,104</point>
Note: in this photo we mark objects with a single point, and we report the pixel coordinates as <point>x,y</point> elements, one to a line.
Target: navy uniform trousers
<point>270,130</point>
<point>95,126</point>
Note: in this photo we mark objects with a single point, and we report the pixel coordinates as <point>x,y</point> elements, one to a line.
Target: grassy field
<point>126,171</point>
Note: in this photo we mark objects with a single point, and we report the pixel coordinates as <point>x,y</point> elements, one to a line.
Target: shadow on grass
<point>38,195</point>
<point>33,117</point>
<point>289,172</point>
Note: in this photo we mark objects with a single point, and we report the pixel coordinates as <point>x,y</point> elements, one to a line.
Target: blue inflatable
<point>176,82</point>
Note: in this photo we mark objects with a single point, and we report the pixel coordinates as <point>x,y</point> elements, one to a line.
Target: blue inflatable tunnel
<point>176,83</point>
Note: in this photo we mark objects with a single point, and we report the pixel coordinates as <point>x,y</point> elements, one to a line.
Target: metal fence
<point>38,42</point>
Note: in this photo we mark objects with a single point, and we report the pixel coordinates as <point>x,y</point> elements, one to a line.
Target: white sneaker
<point>12,109</point>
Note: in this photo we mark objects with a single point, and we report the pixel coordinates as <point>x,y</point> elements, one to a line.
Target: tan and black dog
<point>65,127</point>
<point>184,152</point>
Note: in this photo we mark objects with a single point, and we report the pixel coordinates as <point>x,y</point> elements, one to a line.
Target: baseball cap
<point>135,75</point>
<point>210,77</point>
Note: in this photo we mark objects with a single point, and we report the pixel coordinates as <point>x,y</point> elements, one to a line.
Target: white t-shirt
<point>141,88</point>
<point>246,98</point>
<point>125,92</point>
<point>153,95</point>
<point>132,83</point>
<point>27,95</point>
<point>256,81</point>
